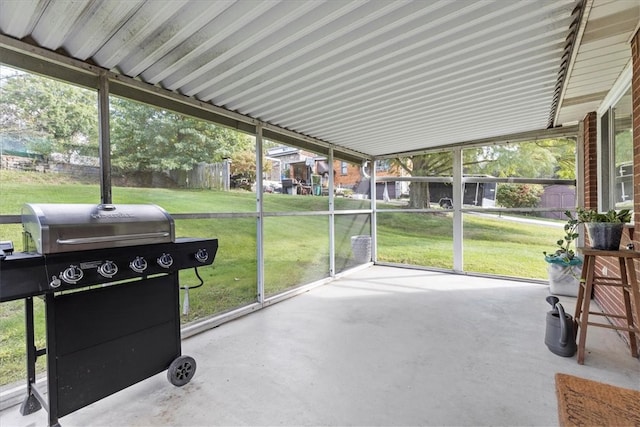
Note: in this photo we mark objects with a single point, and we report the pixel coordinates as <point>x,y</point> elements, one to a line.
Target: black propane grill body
<point>112,315</point>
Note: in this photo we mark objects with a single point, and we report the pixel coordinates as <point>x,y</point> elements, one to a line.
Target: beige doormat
<point>583,402</point>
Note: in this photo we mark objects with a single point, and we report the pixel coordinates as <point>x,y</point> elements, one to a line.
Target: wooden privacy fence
<point>211,176</point>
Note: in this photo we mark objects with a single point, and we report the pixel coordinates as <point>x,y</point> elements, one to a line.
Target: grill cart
<point>108,275</point>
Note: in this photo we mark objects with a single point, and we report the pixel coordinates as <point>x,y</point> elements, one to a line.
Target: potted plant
<point>604,229</point>
<point>605,232</point>
<point>564,265</point>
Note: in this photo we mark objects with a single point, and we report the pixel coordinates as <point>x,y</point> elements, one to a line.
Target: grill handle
<point>102,239</point>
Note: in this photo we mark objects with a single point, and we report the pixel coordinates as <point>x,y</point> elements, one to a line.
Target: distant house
<point>357,178</point>
<point>294,167</point>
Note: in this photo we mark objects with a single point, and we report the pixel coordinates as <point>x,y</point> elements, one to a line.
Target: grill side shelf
<point>22,276</point>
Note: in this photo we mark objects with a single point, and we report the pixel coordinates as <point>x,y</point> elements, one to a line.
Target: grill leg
<point>185,304</point>
<point>52,355</point>
<point>31,403</point>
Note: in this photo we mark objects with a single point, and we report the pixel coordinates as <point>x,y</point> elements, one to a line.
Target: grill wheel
<point>181,370</point>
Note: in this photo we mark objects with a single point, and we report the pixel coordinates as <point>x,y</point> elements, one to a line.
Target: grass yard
<point>296,247</point>
<point>492,245</point>
<point>496,246</point>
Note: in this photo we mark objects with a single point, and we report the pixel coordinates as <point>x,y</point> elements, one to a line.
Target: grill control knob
<point>55,282</point>
<point>139,264</point>
<point>108,269</point>
<point>72,274</point>
<point>202,255</point>
<point>165,261</point>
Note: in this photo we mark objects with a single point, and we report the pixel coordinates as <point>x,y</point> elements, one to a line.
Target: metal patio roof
<point>372,77</point>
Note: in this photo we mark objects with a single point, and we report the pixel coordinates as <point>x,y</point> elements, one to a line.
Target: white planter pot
<point>564,279</point>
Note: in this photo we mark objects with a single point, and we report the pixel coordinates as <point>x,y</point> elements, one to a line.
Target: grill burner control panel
<point>75,273</point>
<point>30,274</point>
<point>108,265</point>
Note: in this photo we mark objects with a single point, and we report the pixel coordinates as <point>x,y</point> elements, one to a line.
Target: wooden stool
<point>627,281</point>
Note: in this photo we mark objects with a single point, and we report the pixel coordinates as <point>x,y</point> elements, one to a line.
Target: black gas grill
<point>108,275</point>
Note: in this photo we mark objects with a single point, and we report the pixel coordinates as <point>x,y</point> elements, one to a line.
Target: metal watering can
<point>560,336</point>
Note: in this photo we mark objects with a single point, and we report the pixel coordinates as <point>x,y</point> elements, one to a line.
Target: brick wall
<point>610,298</point>
<point>354,174</point>
<point>635,96</point>
<point>352,177</point>
<point>590,161</point>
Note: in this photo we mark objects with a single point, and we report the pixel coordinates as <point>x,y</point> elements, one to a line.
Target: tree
<point>433,164</point>
<point>548,158</point>
<point>243,164</point>
<point>49,116</point>
<point>436,164</point>
<point>623,149</point>
<point>145,138</point>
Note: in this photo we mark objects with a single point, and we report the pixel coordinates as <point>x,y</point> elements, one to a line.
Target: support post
<point>332,219</point>
<point>104,139</point>
<point>458,259</point>
<point>374,218</point>
<point>260,219</point>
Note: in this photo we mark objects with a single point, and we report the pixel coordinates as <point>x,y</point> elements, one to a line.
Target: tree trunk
<point>419,195</point>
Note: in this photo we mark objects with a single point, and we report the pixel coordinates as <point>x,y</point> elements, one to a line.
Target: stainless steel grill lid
<point>55,228</point>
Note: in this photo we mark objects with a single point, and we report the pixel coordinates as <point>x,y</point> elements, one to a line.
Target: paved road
<point>521,219</point>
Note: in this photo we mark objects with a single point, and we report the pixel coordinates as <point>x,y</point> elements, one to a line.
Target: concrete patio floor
<point>383,346</point>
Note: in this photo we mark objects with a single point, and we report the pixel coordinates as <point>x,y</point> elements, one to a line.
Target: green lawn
<point>491,245</point>
<point>296,247</point>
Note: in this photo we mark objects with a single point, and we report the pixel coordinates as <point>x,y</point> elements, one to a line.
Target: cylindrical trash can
<point>361,247</point>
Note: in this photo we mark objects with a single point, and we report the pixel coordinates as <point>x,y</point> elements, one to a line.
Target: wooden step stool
<point>627,282</point>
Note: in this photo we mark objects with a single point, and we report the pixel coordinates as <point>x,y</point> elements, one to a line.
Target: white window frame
<point>606,140</point>
<point>344,168</point>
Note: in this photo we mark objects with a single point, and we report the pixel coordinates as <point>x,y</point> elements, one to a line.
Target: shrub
<point>519,195</point>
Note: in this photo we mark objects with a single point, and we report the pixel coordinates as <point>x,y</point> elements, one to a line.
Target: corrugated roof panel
<point>186,22</point>
<point>279,16</point>
<point>435,117</point>
<point>138,31</point>
<point>396,58</point>
<point>322,34</point>
<point>450,87</point>
<point>205,45</point>
<point>367,34</point>
<point>57,21</point>
<point>357,74</point>
<point>17,17</point>
<point>433,126</point>
<point>277,43</point>
<point>320,92</point>
<point>82,44</point>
